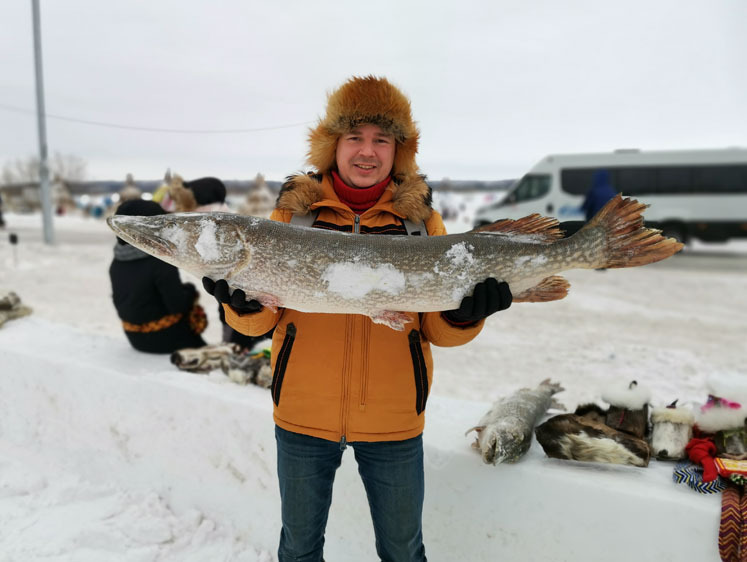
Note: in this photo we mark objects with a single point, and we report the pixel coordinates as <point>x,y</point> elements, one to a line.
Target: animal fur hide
<point>580,438</point>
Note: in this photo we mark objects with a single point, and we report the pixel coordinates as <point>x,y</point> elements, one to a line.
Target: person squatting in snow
<point>159,313</point>
<point>340,379</point>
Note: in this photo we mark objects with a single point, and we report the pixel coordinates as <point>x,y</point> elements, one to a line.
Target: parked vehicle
<point>691,193</point>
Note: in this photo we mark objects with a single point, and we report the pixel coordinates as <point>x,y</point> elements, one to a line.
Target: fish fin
<point>271,302</point>
<point>543,229</point>
<point>395,320</point>
<point>477,428</point>
<point>551,288</point>
<point>556,387</point>
<point>629,243</point>
<point>557,405</point>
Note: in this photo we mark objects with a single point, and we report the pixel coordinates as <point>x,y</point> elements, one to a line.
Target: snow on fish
<point>384,277</point>
<point>505,432</point>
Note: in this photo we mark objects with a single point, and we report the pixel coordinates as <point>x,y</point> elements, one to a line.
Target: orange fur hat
<point>362,101</point>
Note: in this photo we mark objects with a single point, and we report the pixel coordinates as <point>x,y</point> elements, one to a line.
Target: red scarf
<point>358,199</point>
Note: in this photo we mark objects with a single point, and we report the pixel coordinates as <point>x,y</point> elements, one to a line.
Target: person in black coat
<point>599,194</point>
<point>159,313</point>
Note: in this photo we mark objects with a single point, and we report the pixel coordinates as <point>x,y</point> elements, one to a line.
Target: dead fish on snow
<point>504,433</point>
<point>383,277</point>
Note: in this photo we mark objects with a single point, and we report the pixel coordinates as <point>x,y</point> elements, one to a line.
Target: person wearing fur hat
<point>159,313</point>
<point>340,379</point>
<point>202,195</point>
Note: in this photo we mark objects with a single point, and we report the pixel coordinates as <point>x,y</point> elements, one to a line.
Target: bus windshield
<point>531,186</point>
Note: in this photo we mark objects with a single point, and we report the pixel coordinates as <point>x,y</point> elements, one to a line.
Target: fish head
<point>501,443</point>
<point>207,244</point>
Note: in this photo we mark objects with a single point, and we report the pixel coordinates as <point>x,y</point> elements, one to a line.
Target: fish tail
<point>628,243</point>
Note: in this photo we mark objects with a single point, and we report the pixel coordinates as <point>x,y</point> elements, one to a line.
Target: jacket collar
<point>406,196</point>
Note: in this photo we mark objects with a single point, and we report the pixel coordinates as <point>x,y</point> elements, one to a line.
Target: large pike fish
<point>383,277</point>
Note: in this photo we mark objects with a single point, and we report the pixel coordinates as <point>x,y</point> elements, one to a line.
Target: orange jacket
<point>341,376</point>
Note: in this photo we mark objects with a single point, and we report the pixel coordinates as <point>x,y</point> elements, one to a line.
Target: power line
<point>153,129</point>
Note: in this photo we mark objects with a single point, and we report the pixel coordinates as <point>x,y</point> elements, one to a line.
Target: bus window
<point>576,181</point>
<point>635,180</point>
<point>674,180</point>
<point>531,186</point>
<point>719,179</point>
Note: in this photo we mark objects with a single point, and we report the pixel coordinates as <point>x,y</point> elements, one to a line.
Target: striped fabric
<point>686,472</point>
<point>154,326</point>
<point>732,535</point>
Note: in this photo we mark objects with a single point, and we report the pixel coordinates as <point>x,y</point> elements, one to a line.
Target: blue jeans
<point>392,473</point>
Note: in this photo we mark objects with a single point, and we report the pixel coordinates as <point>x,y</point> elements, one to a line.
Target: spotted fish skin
<point>315,270</point>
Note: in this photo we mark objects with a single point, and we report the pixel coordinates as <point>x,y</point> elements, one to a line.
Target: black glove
<point>236,300</point>
<point>488,297</point>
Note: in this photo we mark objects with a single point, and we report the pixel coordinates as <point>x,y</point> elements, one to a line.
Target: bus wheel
<point>676,231</point>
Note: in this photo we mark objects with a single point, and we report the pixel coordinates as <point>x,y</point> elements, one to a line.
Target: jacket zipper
<point>347,367</point>
<point>357,224</point>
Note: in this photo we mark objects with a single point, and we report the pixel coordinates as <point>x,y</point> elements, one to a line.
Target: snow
<point>354,280</point>
<point>109,454</point>
<point>206,244</point>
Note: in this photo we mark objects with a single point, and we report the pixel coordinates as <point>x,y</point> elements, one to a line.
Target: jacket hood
<point>411,195</point>
<point>363,100</point>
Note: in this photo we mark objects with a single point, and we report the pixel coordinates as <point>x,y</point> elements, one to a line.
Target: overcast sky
<point>494,85</point>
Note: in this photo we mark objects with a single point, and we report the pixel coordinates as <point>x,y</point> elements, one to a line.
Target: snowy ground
<point>669,326</point>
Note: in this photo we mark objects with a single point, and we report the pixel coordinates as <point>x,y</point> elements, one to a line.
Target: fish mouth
<point>142,233</point>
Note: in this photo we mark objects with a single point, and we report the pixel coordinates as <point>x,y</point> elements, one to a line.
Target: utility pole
<point>44,191</point>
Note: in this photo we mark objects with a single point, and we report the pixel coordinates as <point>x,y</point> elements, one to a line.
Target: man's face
<point>365,156</point>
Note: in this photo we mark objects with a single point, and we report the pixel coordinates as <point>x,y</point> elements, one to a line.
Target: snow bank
<point>183,466</point>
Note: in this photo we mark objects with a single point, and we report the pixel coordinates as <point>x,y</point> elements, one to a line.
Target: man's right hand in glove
<point>236,300</point>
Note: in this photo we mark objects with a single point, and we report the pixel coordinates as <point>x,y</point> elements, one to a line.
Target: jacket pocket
<point>420,371</point>
<point>282,362</point>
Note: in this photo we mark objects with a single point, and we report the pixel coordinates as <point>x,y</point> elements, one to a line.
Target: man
<point>341,379</point>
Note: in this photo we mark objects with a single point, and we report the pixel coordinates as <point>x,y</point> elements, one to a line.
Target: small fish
<point>504,433</point>
<point>384,277</point>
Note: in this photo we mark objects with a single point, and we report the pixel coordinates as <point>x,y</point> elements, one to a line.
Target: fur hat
<point>726,405</point>
<point>629,396</point>
<point>365,100</point>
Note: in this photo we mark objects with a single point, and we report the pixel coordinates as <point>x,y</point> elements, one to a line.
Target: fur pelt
<point>673,415</point>
<point>241,368</point>
<point>364,100</point>
<point>630,396</point>
<point>672,430</point>
<point>592,411</point>
<point>581,438</point>
<point>411,195</point>
<point>720,418</point>
<point>183,198</point>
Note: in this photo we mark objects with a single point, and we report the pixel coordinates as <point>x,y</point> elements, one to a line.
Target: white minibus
<point>691,193</point>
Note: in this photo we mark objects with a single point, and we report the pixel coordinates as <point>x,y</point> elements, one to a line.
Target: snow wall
<point>202,442</point>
